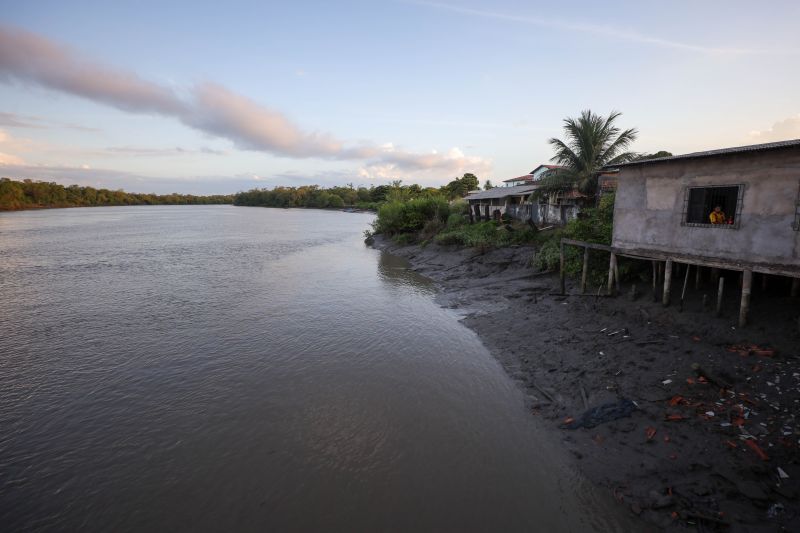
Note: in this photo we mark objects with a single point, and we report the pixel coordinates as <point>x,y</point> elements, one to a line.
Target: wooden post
<point>563,273</point>
<point>714,275</point>
<point>685,283</point>
<point>486,212</point>
<point>655,282</point>
<point>616,274</point>
<point>719,296</point>
<point>744,307</point>
<point>795,292</point>
<point>585,272</point>
<point>763,282</point>
<point>697,271</point>
<point>611,267</point>
<point>667,282</point>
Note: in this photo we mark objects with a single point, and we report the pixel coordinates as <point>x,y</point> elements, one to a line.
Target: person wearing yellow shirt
<point>717,216</point>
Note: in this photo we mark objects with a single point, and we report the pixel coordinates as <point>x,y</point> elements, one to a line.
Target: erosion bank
<point>713,440</point>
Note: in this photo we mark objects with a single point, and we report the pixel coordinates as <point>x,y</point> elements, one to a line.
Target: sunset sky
<point>217,98</point>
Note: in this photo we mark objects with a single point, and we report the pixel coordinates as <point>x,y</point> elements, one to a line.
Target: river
<point>220,368</point>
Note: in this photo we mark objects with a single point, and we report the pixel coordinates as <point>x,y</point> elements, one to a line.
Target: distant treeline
<point>350,196</point>
<point>28,194</point>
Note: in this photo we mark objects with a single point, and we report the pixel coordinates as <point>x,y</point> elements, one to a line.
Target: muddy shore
<point>713,438</point>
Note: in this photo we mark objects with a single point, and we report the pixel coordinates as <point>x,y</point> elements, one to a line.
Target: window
<point>700,202</point>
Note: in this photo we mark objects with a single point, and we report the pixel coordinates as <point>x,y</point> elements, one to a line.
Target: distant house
<point>515,200</point>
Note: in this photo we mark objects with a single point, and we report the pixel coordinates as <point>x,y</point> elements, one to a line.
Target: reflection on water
<point>217,368</point>
<point>394,269</point>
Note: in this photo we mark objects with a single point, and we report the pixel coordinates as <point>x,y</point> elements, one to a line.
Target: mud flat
<point>690,421</point>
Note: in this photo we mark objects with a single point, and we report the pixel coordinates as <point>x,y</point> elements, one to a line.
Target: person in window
<point>717,216</point>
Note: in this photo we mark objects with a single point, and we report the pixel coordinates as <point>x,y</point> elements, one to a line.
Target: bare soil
<point>714,442</point>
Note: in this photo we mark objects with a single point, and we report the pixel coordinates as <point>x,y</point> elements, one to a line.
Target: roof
<point>549,167</point>
<point>501,192</point>
<point>526,177</point>
<point>711,153</point>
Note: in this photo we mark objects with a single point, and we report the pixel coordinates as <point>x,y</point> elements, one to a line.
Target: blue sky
<point>226,97</point>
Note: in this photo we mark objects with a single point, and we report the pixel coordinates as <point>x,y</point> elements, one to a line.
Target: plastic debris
<point>602,414</point>
<point>650,432</point>
<point>782,474</point>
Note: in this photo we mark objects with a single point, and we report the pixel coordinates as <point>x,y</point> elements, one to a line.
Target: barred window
<point>701,202</point>
<point>797,212</point>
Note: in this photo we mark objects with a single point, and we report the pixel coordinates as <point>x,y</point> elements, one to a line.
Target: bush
<point>410,216</point>
<point>335,201</point>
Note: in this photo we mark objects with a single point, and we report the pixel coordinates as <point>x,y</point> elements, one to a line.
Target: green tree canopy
<point>591,142</point>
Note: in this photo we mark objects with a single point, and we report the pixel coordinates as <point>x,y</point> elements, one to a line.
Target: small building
<point>512,201</point>
<point>663,205</point>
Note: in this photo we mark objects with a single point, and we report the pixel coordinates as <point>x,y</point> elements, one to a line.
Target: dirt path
<point>713,439</point>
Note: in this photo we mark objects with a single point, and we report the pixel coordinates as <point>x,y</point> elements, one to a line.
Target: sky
<point>219,97</point>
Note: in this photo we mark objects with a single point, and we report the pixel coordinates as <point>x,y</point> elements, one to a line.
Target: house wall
<point>649,207</point>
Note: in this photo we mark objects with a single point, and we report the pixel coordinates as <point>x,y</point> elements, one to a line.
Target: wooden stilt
<point>616,274</point>
<point>585,271</point>
<point>714,276</point>
<point>744,306</point>
<point>764,283</point>
<point>667,282</point>
<point>655,282</point>
<point>563,273</point>
<point>719,296</point>
<point>705,302</point>
<point>612,262</point>
<point>795,292</point>
<point>685,283</point>
<point>697,271</point>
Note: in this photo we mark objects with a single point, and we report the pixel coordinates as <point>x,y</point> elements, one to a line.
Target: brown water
<point>222,368</point>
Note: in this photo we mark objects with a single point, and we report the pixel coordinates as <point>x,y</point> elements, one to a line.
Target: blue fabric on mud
<point>602,414</point>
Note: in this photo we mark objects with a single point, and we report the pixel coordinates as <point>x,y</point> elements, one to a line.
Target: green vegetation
<point>592,142</point>
<point>28,194</point>
<point>593,225</point>
<point>349,196</point>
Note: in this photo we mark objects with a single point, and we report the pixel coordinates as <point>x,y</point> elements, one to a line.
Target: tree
<point>658,155</point>
<point>470,182</point>
<point>592,142</point>
<point>488,185</point>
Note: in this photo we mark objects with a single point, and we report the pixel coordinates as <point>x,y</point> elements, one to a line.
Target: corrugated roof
<point>526,177</point>
<point>501,192</point>
<point>710,153</point>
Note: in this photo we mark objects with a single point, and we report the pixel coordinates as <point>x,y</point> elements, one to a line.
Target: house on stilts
<point>663,213</point>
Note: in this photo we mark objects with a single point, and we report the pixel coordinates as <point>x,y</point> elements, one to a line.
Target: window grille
<point>699,202</point>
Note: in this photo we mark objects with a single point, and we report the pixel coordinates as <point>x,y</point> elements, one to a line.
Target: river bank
<point>712,442</point>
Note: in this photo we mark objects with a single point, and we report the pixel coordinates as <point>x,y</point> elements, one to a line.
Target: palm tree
<point>592,142</point>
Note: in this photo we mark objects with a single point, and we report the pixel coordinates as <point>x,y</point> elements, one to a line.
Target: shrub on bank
<point>410,216</point>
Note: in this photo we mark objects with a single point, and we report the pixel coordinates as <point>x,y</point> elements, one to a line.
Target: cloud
<point>603,31</point>
<point>211,108</point>
<point>143,151</point>
<point>780,131</point>
<point>12,120</point>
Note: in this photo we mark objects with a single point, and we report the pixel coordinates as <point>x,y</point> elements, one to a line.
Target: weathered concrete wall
<point>650,203</point>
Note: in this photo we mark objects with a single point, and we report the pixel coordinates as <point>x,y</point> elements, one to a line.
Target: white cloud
<point>780,131</point>
<point>210,108</point>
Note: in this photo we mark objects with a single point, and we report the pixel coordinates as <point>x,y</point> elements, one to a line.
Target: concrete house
<point>514,200</point>
<point>663,205</point>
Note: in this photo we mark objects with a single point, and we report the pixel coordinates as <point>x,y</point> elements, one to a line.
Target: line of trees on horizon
<point>29,194</point>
